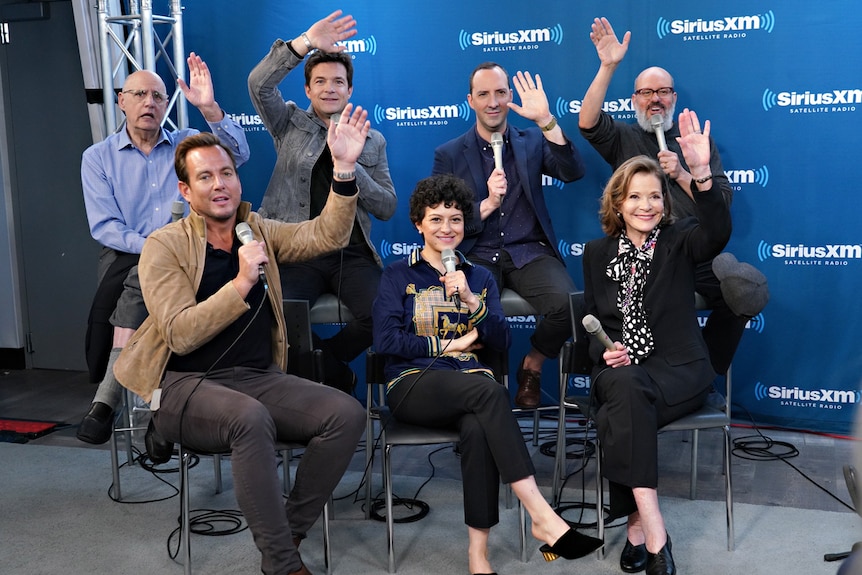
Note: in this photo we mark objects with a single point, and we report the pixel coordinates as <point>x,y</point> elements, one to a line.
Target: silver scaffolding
<point>133,40</point>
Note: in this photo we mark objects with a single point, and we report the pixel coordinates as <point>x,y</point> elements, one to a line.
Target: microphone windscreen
<point>656,121</point>
<point>178,208</point>
<point>591,323</point>
<point>496,139</point>
<point>244,233</point>
<point>450,260</point>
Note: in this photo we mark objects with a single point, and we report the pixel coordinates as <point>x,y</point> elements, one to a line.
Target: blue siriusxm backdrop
<point>780,82</point>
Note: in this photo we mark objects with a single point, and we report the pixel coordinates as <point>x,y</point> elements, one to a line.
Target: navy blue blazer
<point>679,363</point>
<point>534,156</point>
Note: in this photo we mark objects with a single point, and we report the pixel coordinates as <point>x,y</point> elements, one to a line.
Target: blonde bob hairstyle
<point>617,189</point>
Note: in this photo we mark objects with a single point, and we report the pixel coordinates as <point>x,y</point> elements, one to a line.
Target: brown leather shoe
<point>529,387</point>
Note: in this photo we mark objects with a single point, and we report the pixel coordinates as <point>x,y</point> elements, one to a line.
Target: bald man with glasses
<point>130,190</point>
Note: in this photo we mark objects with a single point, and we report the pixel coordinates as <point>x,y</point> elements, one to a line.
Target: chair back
<point>302,358</point>
<point>579,361</point>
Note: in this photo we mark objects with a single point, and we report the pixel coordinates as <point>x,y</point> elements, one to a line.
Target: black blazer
<point>680,361</point>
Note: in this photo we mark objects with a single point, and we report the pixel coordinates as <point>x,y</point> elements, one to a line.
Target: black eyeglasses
<point>648,92</point>
<point>140,95</point>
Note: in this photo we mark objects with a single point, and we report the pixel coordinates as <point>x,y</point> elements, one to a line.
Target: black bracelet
<point>703,180</point>
<point>344,187</point>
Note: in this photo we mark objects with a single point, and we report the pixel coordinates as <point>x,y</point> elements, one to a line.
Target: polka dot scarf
<point>630,269</point>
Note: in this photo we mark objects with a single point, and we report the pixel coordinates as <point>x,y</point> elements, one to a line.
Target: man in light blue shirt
<point>130,190</point>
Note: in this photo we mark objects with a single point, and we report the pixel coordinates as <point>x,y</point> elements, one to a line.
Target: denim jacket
<point>300,137</point>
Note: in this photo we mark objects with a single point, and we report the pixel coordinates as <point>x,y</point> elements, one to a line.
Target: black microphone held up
<point>450,260</point>
<point>594,327</point>
<point>245,235</point>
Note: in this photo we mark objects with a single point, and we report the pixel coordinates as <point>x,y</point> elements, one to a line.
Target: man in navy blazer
<point>511,231</point>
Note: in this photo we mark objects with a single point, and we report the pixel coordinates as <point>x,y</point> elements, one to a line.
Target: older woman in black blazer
<point>639,283</point>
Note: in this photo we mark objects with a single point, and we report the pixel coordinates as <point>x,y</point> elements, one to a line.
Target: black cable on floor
<point>208,522</point>
<point>143,460</point>
<point>408,503</point>
<point>762,448</point>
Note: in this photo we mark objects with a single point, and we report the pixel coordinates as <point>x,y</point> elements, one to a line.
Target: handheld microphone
<point>657,123</point>
<point>594,328</point>
<point>497,146</point>
<point>178,208</point>
<point>245,235</point>
<point>450,260</point>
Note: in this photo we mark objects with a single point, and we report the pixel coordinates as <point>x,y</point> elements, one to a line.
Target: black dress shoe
<point>661,563</point>
<point>633,558</point>
<point>158,449</point>
<point>571,545</point>
<point>97,425</point>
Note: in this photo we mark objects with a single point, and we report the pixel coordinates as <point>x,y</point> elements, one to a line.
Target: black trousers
<point>723,328</point>
<point>353,275</point>
<point>492,447</point>
<point>630,412</point>
<point>545,284</point>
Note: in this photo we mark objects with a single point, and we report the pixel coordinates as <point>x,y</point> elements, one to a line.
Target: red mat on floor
<point>27,428</point>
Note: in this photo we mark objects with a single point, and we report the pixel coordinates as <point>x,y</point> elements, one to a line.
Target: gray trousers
<point>245,411</point>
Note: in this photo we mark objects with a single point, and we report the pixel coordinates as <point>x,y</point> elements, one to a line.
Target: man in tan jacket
<point>210,358</point>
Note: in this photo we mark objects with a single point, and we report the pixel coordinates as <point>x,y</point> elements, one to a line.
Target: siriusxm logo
<point>613,107</point>
<point>568,249</point>
<point>398,249</point>
<point>797,397</point>
<point>830,253</point>
<point>579,382</point>
<point>720,28</point>
<point>756,176</point>
<point>427,116</point>
<point>245,120</point>
<point>756,323</point>
<point>807,101</point>
<point>363,45</point>
<point>526,39</point>
<point>549,181</point>
<point>521,321</point>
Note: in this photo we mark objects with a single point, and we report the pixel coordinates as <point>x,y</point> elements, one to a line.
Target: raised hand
<point>610,50</point>
<point>534,103</point>
<point>199,91</point>
<point>325,33</point>
<point>694,142</point>
<point>346,138</point>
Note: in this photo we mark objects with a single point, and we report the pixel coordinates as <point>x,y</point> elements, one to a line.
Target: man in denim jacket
<point>300,181</point>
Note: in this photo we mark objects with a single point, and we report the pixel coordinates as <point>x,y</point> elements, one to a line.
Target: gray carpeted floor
<point>57,518</point>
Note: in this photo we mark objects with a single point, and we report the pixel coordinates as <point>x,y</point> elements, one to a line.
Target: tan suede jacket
<point>170,270</point>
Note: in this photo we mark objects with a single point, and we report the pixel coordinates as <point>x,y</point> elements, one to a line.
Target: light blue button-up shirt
<point>129,194</point>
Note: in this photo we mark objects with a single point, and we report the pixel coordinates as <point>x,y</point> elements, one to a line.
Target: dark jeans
<point>545,284</point>
<point>353,275</point>
<point>244,411</point>
<point>491,444</point>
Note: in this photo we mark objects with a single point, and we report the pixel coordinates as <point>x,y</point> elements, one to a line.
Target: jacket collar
<point>198,224</point>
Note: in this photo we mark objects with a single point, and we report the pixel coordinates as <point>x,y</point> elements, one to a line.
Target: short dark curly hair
<point>443,189</point>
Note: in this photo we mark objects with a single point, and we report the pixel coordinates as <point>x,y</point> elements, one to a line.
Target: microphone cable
<point>759,447</point>
<point>409,503</point>
<point>588,449</point>
<point>207,520</point>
